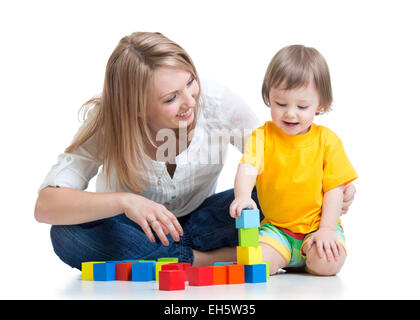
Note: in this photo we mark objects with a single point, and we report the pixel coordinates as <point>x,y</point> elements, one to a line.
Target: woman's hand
<point>239,204</point>
<point>348,197</point>
<point>151,215</point>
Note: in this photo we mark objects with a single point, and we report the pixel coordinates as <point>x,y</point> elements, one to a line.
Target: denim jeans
<point>119,238</point>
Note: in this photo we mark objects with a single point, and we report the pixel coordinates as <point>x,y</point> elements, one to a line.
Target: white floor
<point>29,280</point>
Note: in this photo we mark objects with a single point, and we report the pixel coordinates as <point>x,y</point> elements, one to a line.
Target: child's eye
<point>281,104</point>
<point>303,107</point>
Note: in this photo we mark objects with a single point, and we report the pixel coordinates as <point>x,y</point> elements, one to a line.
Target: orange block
<point>220,275</point>
<point>235,273</point>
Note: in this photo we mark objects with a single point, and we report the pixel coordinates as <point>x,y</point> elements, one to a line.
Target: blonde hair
<point>118,125</point>
<point>294,67</point>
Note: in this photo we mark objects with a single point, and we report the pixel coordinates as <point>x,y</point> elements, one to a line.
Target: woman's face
<point>172,96</point>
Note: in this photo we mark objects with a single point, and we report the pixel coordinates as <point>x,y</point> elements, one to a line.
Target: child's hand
<point>239,204</point>
<point>326,243</point>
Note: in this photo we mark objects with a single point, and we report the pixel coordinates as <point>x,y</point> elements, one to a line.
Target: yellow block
<point>87,270</point>
<point>159,267</point>
<point>249,255</point>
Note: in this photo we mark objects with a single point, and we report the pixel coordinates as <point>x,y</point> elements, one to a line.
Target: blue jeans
<point>119,238</point>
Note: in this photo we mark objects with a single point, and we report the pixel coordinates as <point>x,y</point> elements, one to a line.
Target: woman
<point>160,136</point>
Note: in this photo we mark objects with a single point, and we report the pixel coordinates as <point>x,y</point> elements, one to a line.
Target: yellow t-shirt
<point>294,172</point>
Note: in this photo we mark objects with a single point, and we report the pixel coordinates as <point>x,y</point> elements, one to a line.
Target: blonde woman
<point>157,136</point>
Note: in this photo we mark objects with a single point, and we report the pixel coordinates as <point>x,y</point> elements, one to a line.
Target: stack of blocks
<point>249,253</point>
<point>172,275</point>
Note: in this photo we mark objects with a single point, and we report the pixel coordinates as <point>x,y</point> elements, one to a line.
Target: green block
<point>248,237</point>
<point>267,263</point>
<point>166,259</point>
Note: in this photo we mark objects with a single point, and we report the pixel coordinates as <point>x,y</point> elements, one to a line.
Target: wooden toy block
<point>87,269</point>
<point>200,276</point>
<point>235,274</point>
<point>171,259</point>
<point>256,273</point>
<point>123,271</point>
<point>158,267</point>
<point>104,271</point>
<point>248,237</point>
<point>267,266</point>
<point>177,266</point>
<point>248,219</point>
<point>172,280</point>
<point>142,271</point>
<point>220,274</point>
<point>222,263</point>
<point>249,255</point>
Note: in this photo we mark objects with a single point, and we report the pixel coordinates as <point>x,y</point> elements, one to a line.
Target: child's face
<point>294,110</point>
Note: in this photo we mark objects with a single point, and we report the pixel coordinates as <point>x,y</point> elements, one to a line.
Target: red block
<point>123,271</point>
<point>177,266</point>
<point>200,276</point>
<point>172,280</point>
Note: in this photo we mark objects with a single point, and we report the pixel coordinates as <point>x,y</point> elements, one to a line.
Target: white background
<point>53,56</point>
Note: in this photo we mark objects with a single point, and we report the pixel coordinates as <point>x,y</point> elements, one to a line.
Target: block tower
<point>248,252</point>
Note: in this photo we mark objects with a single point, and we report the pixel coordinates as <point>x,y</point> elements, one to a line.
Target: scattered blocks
<point>248,219</point>
<point>220,274</point>
<point>255,273</point>
<point>248,237</point>
<point>249,255</point>
<point>142,271</point>
<point>87,269</point>
<point>200,276</point>
<point>172,280</point>
<point>235,274</point>
<point>104,271</point>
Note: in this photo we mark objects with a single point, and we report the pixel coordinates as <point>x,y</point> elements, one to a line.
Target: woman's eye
<point>170,99</point>
<point>191,81</point>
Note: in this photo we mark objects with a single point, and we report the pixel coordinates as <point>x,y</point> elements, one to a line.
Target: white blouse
<point>225,118</point>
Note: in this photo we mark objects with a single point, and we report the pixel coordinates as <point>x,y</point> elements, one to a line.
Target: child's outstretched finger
<point>320,249</point>
<point>328,252</point>
<point>335,250</point>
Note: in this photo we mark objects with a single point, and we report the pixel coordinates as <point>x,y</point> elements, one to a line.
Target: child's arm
<point>244,183</point>
<point>325,237</point>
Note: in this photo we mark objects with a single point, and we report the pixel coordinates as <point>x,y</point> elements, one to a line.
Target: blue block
<point>143,271</point>
<point>104,271</point>
<point>248,219</point>
<point>255,273</point>
<point>222,263</point>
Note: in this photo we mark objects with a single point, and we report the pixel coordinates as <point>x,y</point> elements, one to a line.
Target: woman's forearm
<point>63,206</point>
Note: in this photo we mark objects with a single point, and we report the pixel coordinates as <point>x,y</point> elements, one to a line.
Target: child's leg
<point>274,258</point>
<point>276,248</point>
<point>321,266</point>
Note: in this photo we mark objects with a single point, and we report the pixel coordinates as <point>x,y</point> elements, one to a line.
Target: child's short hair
<point>293,67</point>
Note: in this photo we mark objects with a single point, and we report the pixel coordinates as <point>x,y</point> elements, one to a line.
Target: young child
<point>299,168</point>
